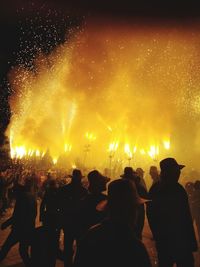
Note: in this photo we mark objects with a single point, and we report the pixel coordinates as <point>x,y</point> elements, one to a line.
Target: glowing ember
<point>104,85</point>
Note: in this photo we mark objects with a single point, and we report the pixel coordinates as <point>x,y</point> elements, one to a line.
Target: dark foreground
<point>13,259</point>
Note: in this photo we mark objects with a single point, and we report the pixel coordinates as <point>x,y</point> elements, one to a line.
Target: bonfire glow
<point>104,85</point>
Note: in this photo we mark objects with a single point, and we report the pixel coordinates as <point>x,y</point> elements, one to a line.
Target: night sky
<point>42,25</point>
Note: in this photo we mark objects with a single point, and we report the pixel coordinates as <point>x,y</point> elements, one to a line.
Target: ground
<point>13,259</point>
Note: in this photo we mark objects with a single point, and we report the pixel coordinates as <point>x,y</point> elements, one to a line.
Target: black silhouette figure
<point>71,202</point>
<point>91,214</point>
<point>113,242</point>
<point>131,175</point>
<point>170,218</point>
<point>22,222</point>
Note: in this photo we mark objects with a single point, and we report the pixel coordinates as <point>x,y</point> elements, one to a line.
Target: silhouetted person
<point>170,218</point>
<point>153,172</point>
<point>90,214</point>
<point>131,175</point>
<point>71,198</point>
<point>22,222</point>
<point>113,242</point>
<point>140,173</point>
<point>49,216</point>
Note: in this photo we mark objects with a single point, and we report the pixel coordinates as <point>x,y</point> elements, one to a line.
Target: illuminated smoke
<point>120,91</point>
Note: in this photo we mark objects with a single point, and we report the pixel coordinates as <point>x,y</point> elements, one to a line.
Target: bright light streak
<point>127,150</point>
<point>55,160</point>
<point>166,144</point>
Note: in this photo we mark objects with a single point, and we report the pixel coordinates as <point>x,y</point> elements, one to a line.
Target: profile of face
<point>153,172</point>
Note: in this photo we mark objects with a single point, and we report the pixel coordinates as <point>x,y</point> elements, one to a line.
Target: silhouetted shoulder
<point>109,244</point>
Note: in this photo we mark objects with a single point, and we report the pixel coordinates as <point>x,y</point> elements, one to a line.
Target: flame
<point>113,146</point>
<point>153,151</point>
<point>55,160</point>
<point>127,150</point>
<point>67,148</point>
<point>90,136</point>
<point>166,144</point>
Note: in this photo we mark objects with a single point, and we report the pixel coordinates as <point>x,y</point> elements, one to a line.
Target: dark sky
<point>17,16</point>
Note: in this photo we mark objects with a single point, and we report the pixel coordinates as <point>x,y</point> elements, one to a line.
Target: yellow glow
<point>67,148</point>
<point>153,151</point>
<point>103,85</point>
<point>37,153</point>
<point>166,144</point>
<point>90,136</point>
<point>55,160</point>
<point>113,146</point>
<point>127,150</point>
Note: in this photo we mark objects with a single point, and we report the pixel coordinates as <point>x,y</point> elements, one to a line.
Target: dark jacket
<point>25,211</point>
<point>111,244</point>
<point>71,198</point>
<point>49,208</point>
<point>170,218</point>
<point>90,215</point>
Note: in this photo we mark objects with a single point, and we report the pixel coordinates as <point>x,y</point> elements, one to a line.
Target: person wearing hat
<point>170,218</point>
<point>71,197</point>
<point>132,175</point>
<point>91,212</point>
<point>113,242</point>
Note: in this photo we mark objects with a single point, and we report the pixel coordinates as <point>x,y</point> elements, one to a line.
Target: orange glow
<point>103,85</point>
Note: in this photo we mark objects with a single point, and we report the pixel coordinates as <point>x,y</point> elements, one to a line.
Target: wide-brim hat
<point>170,164</point>
<point>96,178</point>
<point>128,171</point>
<point>117,191</point>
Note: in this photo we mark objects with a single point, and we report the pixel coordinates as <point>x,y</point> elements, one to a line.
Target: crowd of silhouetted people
<point>101,219</point>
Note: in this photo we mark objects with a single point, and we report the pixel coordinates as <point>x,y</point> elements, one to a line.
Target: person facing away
<point>22,222</point>
<point>140,172</point>
<point>132,176</point>
<point>71,197</point>
<point>113,241</point>
<point>170,218</point>
<point>50,232</point>
<point>90,214</point>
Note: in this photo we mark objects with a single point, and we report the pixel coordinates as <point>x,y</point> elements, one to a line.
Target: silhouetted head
<point>76,176</point>
<point>170,170</point>
<point>97,182</point>
<point>123,201</point>
<point>140,172</point>
<point>129,173</point>
<point>153,171</point>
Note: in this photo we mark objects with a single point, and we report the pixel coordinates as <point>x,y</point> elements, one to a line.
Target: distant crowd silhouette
<point>102,219</point>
